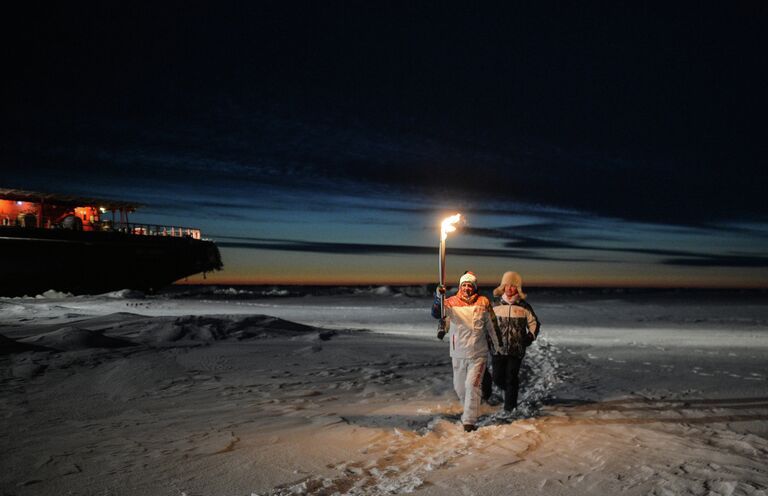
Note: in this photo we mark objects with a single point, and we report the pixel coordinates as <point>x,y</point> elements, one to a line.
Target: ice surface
<point>285,391</point>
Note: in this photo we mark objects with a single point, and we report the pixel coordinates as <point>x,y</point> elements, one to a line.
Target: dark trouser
<point>487,385</point>
<point>506,369</point>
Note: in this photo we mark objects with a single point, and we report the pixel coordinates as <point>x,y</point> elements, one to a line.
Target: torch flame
<point>448,226</point>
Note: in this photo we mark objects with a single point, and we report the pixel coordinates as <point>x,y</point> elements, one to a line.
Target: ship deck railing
<point>156,230</point>
<point>138,229</point>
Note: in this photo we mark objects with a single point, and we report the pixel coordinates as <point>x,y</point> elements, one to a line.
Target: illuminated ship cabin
<point>30,209</point>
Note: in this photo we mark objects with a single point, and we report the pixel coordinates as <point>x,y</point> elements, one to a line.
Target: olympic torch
<point>446,227</point>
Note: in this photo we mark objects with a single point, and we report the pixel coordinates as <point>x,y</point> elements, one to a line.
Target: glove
<point>440,290</point>
<point>441,329</point>
<point>528,339</point>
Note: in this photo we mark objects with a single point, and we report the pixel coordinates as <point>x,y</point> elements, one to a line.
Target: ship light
<point>103,210</point>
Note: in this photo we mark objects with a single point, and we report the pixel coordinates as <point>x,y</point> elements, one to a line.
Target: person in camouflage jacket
<point>517,328</point>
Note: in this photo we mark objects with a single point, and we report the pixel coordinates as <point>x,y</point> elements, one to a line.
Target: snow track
<point>400,460</point>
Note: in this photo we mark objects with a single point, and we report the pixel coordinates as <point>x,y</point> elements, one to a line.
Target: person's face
<point>467,289</point>
<point>510,290</point>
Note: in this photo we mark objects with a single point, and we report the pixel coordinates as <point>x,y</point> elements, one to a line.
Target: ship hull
<point>81,262</point>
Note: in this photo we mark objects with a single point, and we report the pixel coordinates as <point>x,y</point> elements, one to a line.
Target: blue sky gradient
<point>600,144</point>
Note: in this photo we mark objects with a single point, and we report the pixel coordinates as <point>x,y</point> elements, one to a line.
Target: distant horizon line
<point>484,286</point>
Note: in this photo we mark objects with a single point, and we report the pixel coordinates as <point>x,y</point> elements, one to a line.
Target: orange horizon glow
<point>532,283</point>
<point>246,267</point>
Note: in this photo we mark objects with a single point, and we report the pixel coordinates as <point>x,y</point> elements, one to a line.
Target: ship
<point>79,245</point>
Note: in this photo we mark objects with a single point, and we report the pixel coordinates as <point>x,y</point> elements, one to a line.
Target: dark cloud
<point>684,257</point>
<point>694,259</point>
<point>532,249</point>
<point>720,261</point>
<point>374,249</point>
<point>648,112</point>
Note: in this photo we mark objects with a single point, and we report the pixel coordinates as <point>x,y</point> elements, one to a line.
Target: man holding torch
<point>469,319</point>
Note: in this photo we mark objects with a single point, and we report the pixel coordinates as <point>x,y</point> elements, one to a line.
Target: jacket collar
<point>472,299</point>
<point>513,300</point>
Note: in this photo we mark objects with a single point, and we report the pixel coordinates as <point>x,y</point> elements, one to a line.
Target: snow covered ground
<point>231,393</point>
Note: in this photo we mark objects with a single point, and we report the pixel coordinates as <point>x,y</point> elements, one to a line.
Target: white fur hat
<point>468,277</point>
<point>510,279</point>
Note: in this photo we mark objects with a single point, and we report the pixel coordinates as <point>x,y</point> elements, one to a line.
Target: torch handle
<point>441,276</point>
<point>445,228</point>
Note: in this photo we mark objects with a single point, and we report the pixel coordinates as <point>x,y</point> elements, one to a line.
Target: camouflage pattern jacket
<point>517,326</point>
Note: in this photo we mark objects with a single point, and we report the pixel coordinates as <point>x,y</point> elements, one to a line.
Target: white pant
<point>467,381</point>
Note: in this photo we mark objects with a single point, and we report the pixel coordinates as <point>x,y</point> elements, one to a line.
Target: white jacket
<point>471,324</point>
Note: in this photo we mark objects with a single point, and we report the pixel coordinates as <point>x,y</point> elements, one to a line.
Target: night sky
<point>586,143</point>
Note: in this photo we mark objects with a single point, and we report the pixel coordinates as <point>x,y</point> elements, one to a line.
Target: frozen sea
<point>317,390</point>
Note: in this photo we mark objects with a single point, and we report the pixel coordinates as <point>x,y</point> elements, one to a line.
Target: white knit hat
<point>468,277</point>
<point>510,279</point>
